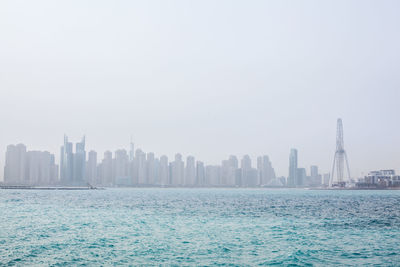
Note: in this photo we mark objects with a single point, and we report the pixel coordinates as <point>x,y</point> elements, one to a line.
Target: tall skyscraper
<point>121,168</point>
<point>234,168</point>
<point>265,171</point>
<point>91,168</point>
<point>107,169</point>
<point>14,169</point>
<point>80,163</point>
<point>151,166</point>
<point>164,171</point>
<point>200,173</point>
<point>178,170</point>
<point>72,169</point>
<point>248,174</point>
<point>291,181</point>
<point>140,167</point>
<point>190,171</point>
<point>66,162</point>
<point>213,175</point>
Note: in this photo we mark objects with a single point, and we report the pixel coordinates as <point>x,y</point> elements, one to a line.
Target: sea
<point>199,227</point>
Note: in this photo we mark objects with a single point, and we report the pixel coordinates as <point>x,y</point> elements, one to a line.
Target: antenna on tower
<point>339,159</point>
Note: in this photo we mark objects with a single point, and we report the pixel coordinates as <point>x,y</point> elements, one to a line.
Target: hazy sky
<point>205,78</point>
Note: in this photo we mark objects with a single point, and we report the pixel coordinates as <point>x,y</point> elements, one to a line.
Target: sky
<point>204,78</point>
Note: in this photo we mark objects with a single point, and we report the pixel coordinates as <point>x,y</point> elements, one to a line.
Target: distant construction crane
<point>339,159</point>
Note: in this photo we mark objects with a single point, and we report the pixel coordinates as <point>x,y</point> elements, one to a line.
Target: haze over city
<point>207,79</point>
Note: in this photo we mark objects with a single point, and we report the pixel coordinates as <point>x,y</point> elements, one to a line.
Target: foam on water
<point>199,227</point>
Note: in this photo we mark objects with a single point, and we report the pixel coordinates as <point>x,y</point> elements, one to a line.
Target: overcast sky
<point>204,78</point>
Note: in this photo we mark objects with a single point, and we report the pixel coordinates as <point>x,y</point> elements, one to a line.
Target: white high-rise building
<point>164,171</point>
<point>200,173</point>
<point>213,175</point>
<point>106,168</point>
<point>121,168</point>
<point>14,169</point>
<point>91,168</point>
<point>178,170</point>
<point>292,178</point>
<point>29,167</point>
<point>150,165</point>
<point>140,167</point>
<point>190,171</point>
<point>266,173</point>
<point>73,165</point>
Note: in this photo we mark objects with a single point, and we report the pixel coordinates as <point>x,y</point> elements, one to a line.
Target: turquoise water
<point>199,227</point>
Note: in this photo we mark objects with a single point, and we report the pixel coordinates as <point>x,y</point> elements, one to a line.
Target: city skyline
<point>137,168</point>
<point>134,167</point>
<point>131,150</point>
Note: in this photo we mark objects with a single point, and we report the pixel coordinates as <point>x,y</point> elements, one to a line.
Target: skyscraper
<point>140,167</point>
<point>66,162</point>
<point>107,169</point>
<point>200,173</point>
<point>121,168</point>
<point>14,169</point>
<point>150,165</point>
<point>291,181</point>
<point>91,168</point>
<point>72,169</point>
<point>177,170</point>
<point>164,171</point>
<point>190,171</point>
<point>265,171</point>
<point>80,163</point>
<point>248,174</point>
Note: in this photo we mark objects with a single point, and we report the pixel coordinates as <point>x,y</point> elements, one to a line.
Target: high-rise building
<point>213,175</point>
<point>80,163</point>
<point>301,177</point>
<point>72,169</point>
<point>29,167</point>
<point>91,168</point>
<point>157,171</point>
<point>151,166</point>
<point>190,171</point>
<point>291,181</point>
<point>106,172</point>
<point>234,168</point>
<point>200,174</point>
<point>315,177</point>
<point>140,167</point>
<point>178,170</point>
<point>248,174</point>
<point>14,169</point>
<point>265,171</point>
<point>164,171</point>
<point>121,168</point>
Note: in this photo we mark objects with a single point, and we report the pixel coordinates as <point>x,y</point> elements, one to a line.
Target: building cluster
<point>379,179</point>
<point>137,168</point>
<point>24,167</point>
<point>298,176</point>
